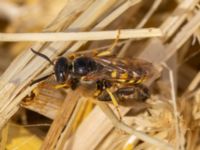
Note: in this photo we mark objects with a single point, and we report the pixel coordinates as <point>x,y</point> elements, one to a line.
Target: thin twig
<point>122,126</point>
<point>194,83</point>
<point>76,36</point>
<point>176,114</point>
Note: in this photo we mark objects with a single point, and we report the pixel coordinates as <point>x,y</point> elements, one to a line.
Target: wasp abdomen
<point>135,93</point>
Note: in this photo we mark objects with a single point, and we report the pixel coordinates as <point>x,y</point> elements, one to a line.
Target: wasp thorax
<point>61,69</point>
<point>84,65</point>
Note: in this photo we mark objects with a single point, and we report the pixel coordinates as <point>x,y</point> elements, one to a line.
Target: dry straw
<point>84,20</point>
<point>80,36</point>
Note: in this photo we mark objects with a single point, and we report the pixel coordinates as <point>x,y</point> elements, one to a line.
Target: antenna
<point>43,56</point>
<point>40,79</point>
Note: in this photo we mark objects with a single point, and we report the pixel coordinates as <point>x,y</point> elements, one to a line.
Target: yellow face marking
<point>114,74</point>
<point>124,75</point>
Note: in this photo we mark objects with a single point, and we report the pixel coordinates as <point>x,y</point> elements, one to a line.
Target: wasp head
<point>61,69</point>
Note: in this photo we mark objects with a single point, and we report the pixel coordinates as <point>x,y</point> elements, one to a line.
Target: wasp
<point>116,79</point>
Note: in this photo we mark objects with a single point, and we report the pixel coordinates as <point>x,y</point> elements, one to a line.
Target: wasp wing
<point>122,70</point>
<point>91,53</point>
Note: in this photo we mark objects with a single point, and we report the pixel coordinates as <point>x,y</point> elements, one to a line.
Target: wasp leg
<point>105,85</point>
<point>94,52</point>
<point>109,51</point>
<point>115,103</point>
<point>115,42</point>
<point>91,53</point>
<point>97,53</point>
<point>73,84</point>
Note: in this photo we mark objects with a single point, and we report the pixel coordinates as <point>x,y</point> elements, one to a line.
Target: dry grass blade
<point>154,50</point>
<point>61,120</point>
<point>23,69</point>
<point>168,119</point>
<point>47,100</point>
<point>71,10</point>
<point>179,136</point>
<point>179,15</point>
<point>194,83</point>
<point>72,124</point>
<point>4,136</point>
<point>76,36</point>
<point>120,125</point>
<point>106,21</point>
<point>183,36</point>
<point>141,24</point>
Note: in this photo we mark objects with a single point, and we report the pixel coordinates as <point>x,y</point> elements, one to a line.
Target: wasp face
<point>61,69</point>
<point>84,65</point>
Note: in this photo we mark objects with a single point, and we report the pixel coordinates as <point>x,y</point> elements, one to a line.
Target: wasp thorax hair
<point>84,65</point>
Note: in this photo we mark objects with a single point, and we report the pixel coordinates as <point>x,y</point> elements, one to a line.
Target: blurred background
<point>18,16</point>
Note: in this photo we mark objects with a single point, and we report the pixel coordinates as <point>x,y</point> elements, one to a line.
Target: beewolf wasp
<point>116,79</point>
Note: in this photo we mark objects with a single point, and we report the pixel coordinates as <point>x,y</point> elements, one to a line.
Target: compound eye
<point>61,69</point>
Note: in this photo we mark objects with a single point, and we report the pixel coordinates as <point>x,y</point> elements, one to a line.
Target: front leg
<point>74,83</point>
